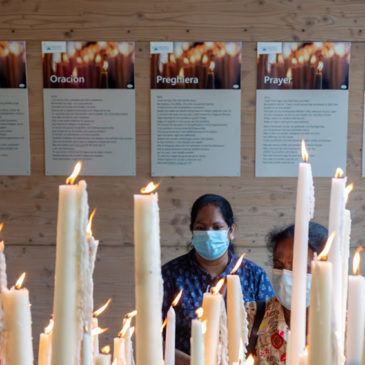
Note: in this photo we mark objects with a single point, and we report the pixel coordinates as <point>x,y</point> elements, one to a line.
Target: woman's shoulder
<point>178,263</point>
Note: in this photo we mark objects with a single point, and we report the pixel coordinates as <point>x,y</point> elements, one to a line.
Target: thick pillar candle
<point>170,337</point>
<point>196,343</point>
<point>320,315</point>
<point>71,235</point>
<point>148,280</point>
<point>303,213</point>
<point>18,323</point>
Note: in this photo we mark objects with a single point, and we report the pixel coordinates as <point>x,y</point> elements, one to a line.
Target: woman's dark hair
<point>317,237</point>
<point>216,200</point>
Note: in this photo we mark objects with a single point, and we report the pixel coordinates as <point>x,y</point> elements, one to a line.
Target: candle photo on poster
<point>302,92</point>
<point>14,114</point>
<point>191,76</point>
<point>89,107</point>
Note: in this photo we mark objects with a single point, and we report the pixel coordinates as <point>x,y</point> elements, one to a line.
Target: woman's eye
<point>217,227</point>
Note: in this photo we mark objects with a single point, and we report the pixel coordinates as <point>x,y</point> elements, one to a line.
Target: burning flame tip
<point>164,324</point>
<point>356,260</point>
<point>349,188</point>
<point>149,188</point>
<point>20,281</point>
<point>102,308</point>
<point>106,349</point>
<point>250,360</point>
<point>218,287</point>
<point>71,179</point>
<point>305,155</point>
<point>199,312</point>
<point>323,255</point>
<point>89,225</point>
<point>238,263</point>
<point>1,226</point>
<point>177,298</point>
<point>339,173</point>
<point>49,328</point>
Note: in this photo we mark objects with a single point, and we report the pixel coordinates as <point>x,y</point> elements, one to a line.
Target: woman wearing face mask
<point>270,320</point>
<point>211,258</point>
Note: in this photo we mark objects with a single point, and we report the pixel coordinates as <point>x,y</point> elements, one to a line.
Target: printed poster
<point>302,93</point>
<point>196,108</point>
<point>14,114</point>
<point>89,107</point>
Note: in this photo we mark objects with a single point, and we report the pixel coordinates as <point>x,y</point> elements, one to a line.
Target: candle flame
<point>71,179</point>
<point>105,65</point>
<point>164,324</point>
<point>20,281</point>
<point>204,327</point>
<point>250,360</point>
<point>289,74</point>
<point>212,66</point>
<point>2,246</point>
<point>356,261</point>
<point>301,59</point>
<point>132,314</point>
<point>149,188</point>
<point>98,58</point>
<point>79,60</point>
<point>241,352</point>
<point>177,299</point>
<point>320,66</point>
<point>49,328</point>
<point>126,326</point>
<point>294,61</point>
<point>305,155</point>
<point>1,226</point>
<point>218,287</point>
<point>106,349</point>
<point>98,331</point>
<point>280,58</point>
<point>102,308</point>
<point>89,225</point>
<point>199,312</point>
<point>186,61</point>
<point>205,59</point>
<point>238,263</point>
<point>313,60</point>
<point>181,73</point>
<point>348,191</point>
<point>338,173</point>
<point>74,72</point>
<point>132,331</point>
<point>323,255</point>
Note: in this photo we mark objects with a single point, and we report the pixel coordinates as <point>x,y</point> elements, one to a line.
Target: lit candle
<point>236,317</point>
<point>304,212</point>
<point>71,242</point>
<point>123,349</point>
<point>170,332</point>
<point>197,340</point>
<point>148,279</point>
<point>212,306</point>
<point>104,358</point>
<point>320,310</point>
<point>18,324</point>
<point>356,314</point>
<point>95,331</point>
<point>45,345</point>
<point>303,359</point>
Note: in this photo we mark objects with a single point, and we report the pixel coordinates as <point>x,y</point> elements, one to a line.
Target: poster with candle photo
<point>14,114</point>
<point>302,93</point>
<point>195,108</point>
<point>89,107</point>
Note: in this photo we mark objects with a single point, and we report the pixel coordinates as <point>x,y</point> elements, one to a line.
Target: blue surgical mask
<point>210,244</point>
<point>282,282</point>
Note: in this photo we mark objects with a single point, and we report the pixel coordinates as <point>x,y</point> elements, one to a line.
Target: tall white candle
<point>3,284</point>
<point>45,345</point>
<point>148,280</point>
<point>320,312</point>
<point>71,236</point>
<point>170,337</point>
<point>356,315</point>
<point>87,357</point>
<point>336,255</point>
<point>303,213</point>
<point>196,343</point>
<point>18,323</point>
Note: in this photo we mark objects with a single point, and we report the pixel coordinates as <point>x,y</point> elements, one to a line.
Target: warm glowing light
<point>74,72</point>
<point>301,59</point>
<point>15,48</point>
<point>177,299</point>
<point>199,312</point>
<point>205,59</point>
<point>124,49</point>
<point>289,74</point>
<point>340,49</point>
<point>218,287</point>
<point>126,326</point>
<point>98,59</point>
<point>348,191</point>
<point>313,60</point>
<point>2,246</point>
<point>231,49</point>
<point>338,173</point>
<point>164,324</point>
<point>149,188</point>
<point>71,179</point>
<point>102,308</point>
<point>280,58</point>
<point>1,226</point>
<point>106,349</point>
<point>241,351</point>
<point>356,261</point>
<point>181,73</point>
<point>132,331</point>
<point>49,328</point>
<point>238,263</point>
<point>79,60</point>
<point>186,61</point>
<point>250,360</point>
<point>212,66</point>
<point>105,65</point>
<point>323,255</point>
<point>98,331</point>
<point>89,225</point>
<point>132,314</point>
<point>294,61</point>
<point>320,66</point>
<point>204,327</point>
<point>305,155</point>
<point>20,281</point>
<point>86,58</point>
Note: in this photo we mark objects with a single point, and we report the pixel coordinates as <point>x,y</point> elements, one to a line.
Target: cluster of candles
<point>219,334</point>
<point>216,65</point>
<point>310,66</point>
<point>91,65</point>
<point>12,65</point>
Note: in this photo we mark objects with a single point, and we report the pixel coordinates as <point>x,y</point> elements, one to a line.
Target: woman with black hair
<point>270,320</point>
<point>211,258</point>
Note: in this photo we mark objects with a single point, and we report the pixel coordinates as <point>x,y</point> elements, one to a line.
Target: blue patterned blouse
<point>185,273</point>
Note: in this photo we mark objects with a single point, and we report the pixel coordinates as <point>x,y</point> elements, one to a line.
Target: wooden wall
<point>29,204</point>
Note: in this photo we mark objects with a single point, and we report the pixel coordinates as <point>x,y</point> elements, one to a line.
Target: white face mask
<point>282,282</point>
